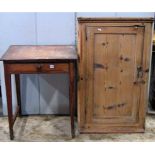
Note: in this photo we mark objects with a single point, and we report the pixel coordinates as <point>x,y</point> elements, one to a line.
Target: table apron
<point>36,68</point>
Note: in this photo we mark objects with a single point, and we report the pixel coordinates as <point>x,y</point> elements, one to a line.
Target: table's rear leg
<point>72,96</point>
<point>17,80</point>
<point>9,103</point>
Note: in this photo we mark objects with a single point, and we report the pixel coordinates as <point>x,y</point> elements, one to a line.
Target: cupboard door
<point>114,77</point>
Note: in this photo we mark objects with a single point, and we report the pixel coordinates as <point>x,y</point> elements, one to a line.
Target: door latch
<point>139,79</point>
<point>139,72</point>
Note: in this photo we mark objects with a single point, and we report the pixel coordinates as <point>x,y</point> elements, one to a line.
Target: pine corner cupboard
<point>114,59</point>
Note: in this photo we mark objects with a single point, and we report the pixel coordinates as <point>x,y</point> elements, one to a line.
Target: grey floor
<point>57,128</point>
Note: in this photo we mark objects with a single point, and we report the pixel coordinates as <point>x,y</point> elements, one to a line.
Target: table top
<point>39,52</point>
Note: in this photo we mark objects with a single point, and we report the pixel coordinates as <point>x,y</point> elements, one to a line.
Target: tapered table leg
<point>72,96</point>
<point>17,80</point>
<point>9,102</point>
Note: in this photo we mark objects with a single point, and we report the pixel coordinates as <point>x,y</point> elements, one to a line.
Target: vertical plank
<point>112,74</point>
<point>128,74</point>
<point>100,59</point>
<point>18,28</point>
<point>150,72</point>
<point>81,73</point>
<point>146,65</point>
<point>55,29</point>
<point>89,70</point>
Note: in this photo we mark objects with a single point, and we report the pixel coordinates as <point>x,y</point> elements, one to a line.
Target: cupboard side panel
<point>81,74</point>
<point>146,65</point>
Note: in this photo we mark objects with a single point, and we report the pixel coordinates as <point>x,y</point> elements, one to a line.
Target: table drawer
<point>38,68</point>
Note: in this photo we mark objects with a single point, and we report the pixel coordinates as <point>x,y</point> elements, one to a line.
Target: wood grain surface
<point>114,55</point>
<point>46,52</point>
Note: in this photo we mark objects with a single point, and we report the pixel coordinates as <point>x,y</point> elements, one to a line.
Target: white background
<point>78,6</point>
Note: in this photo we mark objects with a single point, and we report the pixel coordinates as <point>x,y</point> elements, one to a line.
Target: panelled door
<point>113,76</point>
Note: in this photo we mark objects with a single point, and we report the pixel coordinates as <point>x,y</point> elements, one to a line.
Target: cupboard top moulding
<point>113,20</point>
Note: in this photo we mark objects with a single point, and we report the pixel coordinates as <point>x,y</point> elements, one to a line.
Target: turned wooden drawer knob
<point>51,66</point>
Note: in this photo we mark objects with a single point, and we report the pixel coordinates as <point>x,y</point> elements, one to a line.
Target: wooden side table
<point>20,59</point>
